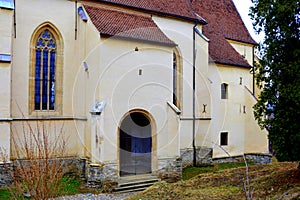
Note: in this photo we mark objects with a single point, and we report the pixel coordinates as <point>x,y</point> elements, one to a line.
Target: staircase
<point>135,183</point>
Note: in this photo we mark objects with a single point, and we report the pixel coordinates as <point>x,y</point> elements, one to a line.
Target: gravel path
<point>89,196</point>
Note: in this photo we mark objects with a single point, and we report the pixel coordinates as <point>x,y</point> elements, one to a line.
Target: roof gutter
<point>139,40</point>
<point>231,64</point>
<point>242,41</point>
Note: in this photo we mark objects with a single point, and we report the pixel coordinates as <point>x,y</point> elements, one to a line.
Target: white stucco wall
<point>4,141</point>
<point>5,76</point>
<point>182,34</point>
<point>55,131</point>
<point>113,75</point>
<point>117,81</point>
<point>6,30</point>
<point>31,14</point>
<point>228,114</point>
<point>256,139</point>
<point>6,34</point>
<point>244,49</point>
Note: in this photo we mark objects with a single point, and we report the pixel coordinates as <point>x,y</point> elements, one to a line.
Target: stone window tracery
<point>45,49</point>
<point>46,71</point>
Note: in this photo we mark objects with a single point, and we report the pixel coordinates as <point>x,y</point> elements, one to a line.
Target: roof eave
<point>232,64</point>
<point>138,39</point>
<point>252,43</point>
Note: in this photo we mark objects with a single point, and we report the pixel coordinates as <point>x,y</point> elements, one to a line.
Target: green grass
<point>5,193</point>
<point>69,186</point>
<point>190,172</point>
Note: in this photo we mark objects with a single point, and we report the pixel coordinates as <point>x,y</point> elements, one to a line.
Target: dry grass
<point>273,181</point>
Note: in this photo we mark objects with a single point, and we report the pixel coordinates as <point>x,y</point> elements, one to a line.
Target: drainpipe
<point>76,19</point>
<point>253,72</point>
<point>15,23</point>
<point>194,96</point>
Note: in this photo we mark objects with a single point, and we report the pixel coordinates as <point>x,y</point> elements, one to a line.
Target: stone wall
<point>74,166</point>
<point>259,158</point>
<point>71,166</point>
<point>95,175</point>
<point>5,178</point>
<point>254,158</point>
<point>169,169</point>
<point>203,156</point>
<point>99,174</point>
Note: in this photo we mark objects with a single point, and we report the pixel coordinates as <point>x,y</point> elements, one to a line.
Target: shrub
<point>38,167</point>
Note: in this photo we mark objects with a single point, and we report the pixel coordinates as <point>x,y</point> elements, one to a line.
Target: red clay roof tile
<point>224,22</point>
<point>176,8</point>
<point>124,25</point>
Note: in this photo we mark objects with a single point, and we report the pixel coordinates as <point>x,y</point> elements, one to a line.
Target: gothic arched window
<point>45,57</point>
<point>177,78</point>
<point>46,71</point>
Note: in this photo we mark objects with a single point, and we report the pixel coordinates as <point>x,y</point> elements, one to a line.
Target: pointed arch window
<point>45,54</point>
<point>177,78</point>
<point>46,71</point>
<point>175,98</point>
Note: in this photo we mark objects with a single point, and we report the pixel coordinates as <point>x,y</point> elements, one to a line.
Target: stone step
<point>135,183</point>
<point>131,188</point>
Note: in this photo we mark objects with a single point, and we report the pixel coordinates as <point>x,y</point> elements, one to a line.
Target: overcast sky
<point>243,8</point>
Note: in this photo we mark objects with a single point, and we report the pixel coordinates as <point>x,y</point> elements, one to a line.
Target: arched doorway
<point>135,144</point>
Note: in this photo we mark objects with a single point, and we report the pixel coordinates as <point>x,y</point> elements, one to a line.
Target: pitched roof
<point>128,26</point>
<point>176,8</point>
<point>224,22</point>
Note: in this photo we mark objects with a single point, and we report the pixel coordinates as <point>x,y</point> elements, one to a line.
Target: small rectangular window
<point>224,91</point>
<point>5,58</point>
<point>224,139</point>
<point>9,4</point>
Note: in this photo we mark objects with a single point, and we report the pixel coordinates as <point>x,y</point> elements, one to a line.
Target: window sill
<point>45,113</point>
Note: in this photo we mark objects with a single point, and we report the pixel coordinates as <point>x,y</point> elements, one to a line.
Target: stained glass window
<point>45,59</point>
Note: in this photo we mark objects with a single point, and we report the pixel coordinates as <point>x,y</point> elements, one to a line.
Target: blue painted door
<point>135,145</point>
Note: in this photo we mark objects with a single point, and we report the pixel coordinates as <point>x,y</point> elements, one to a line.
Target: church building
<point>138,87</point>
